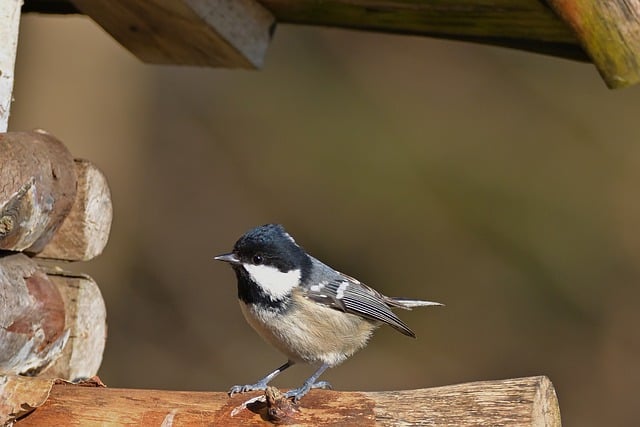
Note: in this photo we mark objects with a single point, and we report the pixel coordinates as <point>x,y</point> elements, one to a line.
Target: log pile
<point>52,208</point>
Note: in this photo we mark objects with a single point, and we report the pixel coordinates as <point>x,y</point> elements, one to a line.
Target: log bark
<point>228,33</point>
<point>38,189</point>
<point>84,233</point>
<point>20,395</point>
<point>52,323</point>
<point>514,402</point>
<point>32,317</point>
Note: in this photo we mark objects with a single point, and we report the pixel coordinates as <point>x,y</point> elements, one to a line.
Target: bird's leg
<point>310,383</point>
<point>262,384</point>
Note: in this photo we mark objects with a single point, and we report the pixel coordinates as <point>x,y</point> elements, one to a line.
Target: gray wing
<point>342,292</point>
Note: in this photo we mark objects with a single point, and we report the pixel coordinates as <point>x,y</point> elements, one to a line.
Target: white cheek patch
<point>276,283</point>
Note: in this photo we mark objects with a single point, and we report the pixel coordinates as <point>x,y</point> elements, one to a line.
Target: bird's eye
<point>257,259</point>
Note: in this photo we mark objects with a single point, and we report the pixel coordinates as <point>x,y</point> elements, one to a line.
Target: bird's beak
<point>231,258</point>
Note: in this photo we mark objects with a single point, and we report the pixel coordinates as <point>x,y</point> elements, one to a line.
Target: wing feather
<point>347,294</point>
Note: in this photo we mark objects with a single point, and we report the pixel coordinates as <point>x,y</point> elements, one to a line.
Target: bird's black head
<point>270,245</point>
<point>268,264</point>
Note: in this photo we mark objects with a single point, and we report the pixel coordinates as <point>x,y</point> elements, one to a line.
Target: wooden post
<point>515,402</point>
<point>610,33</point>
<point>9,25</point>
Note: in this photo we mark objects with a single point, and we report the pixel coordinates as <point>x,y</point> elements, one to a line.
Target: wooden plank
<point>610,33</point>
<point>84,233</point>
<point>219,33</point>
<point>514,402</point>
<point>522,24</point>
<point>9,27</point>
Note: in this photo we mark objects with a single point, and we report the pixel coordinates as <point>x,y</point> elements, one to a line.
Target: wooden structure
<point>55,207</point>
<point>53,323</point>
<point>516,402</point>
<point>236,33</point>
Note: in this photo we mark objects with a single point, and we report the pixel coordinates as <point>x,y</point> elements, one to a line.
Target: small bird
<point>306,309</point>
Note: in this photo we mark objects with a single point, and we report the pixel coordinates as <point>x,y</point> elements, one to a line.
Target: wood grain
<point>9,25</point>
<point>514,402</point>
<point>219,33</point>
<point>38,188</point>
<point>19,395</point>
<point>84,233</point>
<point>32,317</point>
<point>86,320</point>
<point>523,24</point>
<point>52,322</point>
<point>610,33</point>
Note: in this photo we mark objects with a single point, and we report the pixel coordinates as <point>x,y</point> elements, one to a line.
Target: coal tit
<point>307,310</point>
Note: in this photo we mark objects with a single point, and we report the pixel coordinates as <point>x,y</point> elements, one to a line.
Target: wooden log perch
<point>514,402</point>
<point>222,33</point>
<point>52,323</point>
<point>610,33</point>
<point>51,205</point>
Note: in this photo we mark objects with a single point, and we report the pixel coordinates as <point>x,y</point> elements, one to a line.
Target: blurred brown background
<point>501,183</point>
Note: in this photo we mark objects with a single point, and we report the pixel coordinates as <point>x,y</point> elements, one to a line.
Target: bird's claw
<point>245,388</point>
<point>298,393</point>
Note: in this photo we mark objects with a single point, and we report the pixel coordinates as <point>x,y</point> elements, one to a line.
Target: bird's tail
<point>408,304</point>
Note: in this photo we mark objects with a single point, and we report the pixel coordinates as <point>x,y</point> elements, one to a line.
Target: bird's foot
<point>259,386</point>
<point>298,393</point>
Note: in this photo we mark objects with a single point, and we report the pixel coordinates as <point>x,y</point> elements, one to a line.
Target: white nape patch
<point>276,283</point>
<point>288,236</point>
<point>319,286</point>
<point>343,287</point>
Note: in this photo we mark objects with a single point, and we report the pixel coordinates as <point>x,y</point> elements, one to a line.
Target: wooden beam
<point>219,33</point>
<point>514,402</point>
<point>9,27</point>
<point>523,24</point>
<point>610,33</point>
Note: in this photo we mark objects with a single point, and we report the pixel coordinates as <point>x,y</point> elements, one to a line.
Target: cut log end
<point>84,233</point>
